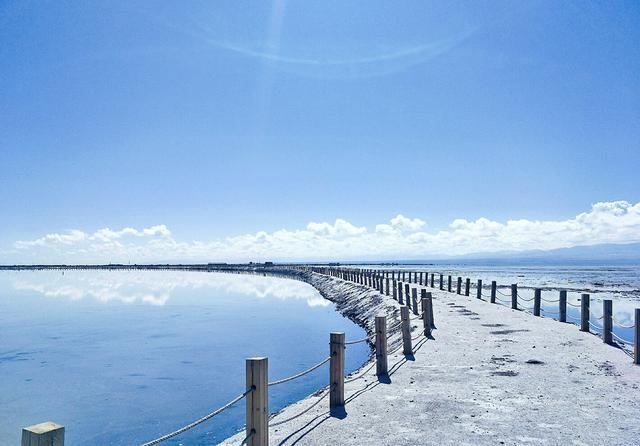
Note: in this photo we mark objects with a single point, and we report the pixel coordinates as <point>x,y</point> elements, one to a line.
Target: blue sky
<point>222,119</point>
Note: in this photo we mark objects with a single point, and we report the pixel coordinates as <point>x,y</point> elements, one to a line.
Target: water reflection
<point>158,287</point>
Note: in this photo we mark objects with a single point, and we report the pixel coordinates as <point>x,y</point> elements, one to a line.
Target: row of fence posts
<point>373,278</point>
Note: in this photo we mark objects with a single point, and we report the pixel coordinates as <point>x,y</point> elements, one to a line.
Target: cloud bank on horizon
<point>400,238</point>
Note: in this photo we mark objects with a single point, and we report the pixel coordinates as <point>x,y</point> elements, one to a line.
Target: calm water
<point>620,283</point>
<point>121,357</point>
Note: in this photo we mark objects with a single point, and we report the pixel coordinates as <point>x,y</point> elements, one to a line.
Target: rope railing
<point>550,301</point>
<point>573,305</point>
<point>368,338</point>
<point>526,300</point>
<point>298,375</point>
<point>298,415</point>
<point>624,341</point>
<point>619,324</point>
<point>199,420</point>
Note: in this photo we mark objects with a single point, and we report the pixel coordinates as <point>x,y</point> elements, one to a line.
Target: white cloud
<point>400,223</point>
<point>402,237</point>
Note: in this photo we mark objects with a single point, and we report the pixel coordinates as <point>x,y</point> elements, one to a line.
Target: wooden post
<point>514,296</point>
<point>336,369</point>
<point>433,277</point>
<point>387,283</point>
<point>441,282</point>
<point>381,345</point>
<point>400,299</point>
<point>459,285</point>
<point>407,295</point>
<point>494,286</point>
<point>449,283</point>
<point>421,277</point>
<point>636,339</point>
<point>607,321</point>
<point>395,290</point>
<point>403,272</point>
<point>430,309</point>
<point>562,306</point>
<point>407,348</point>
<point>426,314</point>
<point>45,434</point>
<point>414,300</point>
<point>257,402</point>
<point>479,290</point>
<point>467,286</point>
<point>584,312</point>
<point>537,297</point>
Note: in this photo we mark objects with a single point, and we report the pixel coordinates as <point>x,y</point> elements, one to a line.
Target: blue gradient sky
<point>225,118</point>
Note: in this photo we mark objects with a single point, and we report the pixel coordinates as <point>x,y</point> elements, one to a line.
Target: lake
<point>121,357</point>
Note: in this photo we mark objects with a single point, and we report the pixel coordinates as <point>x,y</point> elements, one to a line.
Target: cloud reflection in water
<point>157,287</point>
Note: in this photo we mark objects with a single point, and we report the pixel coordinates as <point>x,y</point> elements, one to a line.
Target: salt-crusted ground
<point>490,376</point>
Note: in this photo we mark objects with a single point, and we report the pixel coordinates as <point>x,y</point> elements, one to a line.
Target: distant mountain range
<point>594,254</point>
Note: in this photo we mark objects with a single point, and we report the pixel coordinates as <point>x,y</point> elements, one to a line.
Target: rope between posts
<point>358,341</point>
<point>199,420</point>
<point>303,412</point>
<point>298,375</point>
<point>569,303</point>
<point>500,292</point>
<point>526,300</point>
<point>574,318</point>
<point>551,301</point>
<point>622,325</point>
<point>624,341</point>
<point>595,326</point>
<point>362,374</point>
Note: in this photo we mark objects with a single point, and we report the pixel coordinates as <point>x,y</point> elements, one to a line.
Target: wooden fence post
<point>395,290</point>
<point>407,348</point>
<point>441,282</point>
<point>433,277</point>
<point>514,296</point>
<point>467,286</point>
<point>430,309</point>
<point>45,434</point>
<point>421,277</point>
<point>494,286</point>
<point>400,299</point>
<point>386,279</point>
<point>607,322</point>
<point>381,345</point>
<point>537,297</point>
<point>407,295</point>
<point>427,315</point>
<point>414,300</point>
<point>562,306</point>
<point>584,312</point>
<point>257,402</point>
<point>336,369</point>
<point>636,339</point>
<point>479,290</point>
<point>449,283</point>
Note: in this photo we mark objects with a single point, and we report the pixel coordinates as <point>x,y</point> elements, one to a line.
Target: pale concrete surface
<point>490,376</point>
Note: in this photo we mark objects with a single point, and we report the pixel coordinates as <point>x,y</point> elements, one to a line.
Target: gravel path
<point>490,376</point>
